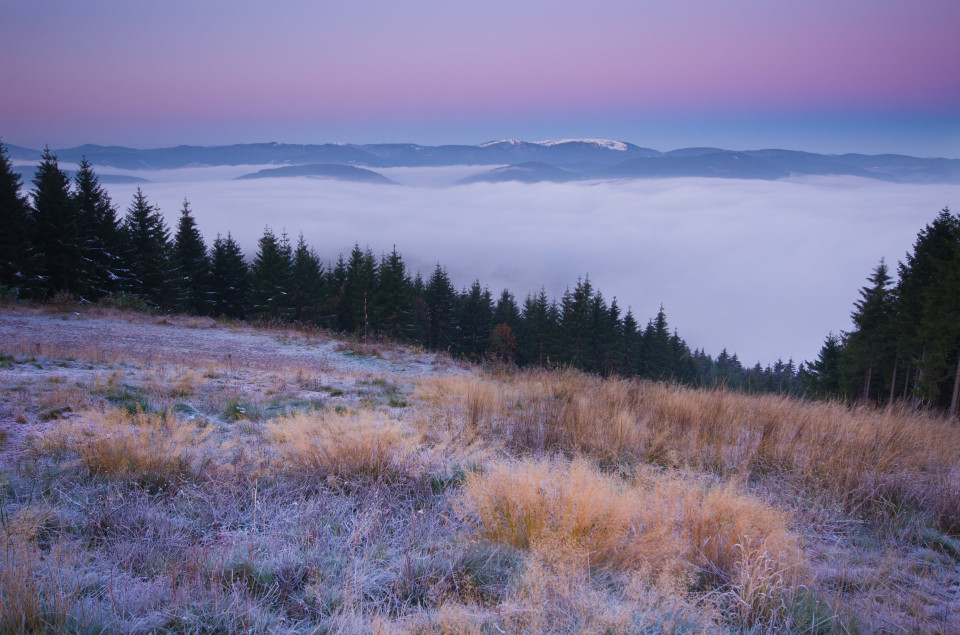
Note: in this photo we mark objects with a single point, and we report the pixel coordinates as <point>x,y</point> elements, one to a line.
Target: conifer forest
<point>66,236</point>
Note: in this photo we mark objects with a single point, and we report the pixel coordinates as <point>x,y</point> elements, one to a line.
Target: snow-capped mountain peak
<point>603,143</point>
<point>506,142</point>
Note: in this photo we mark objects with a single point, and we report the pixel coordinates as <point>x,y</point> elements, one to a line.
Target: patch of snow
<point>603,143</point>
<point>509,142</point>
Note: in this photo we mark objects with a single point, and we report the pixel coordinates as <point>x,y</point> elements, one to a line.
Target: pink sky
<point>148,73</point>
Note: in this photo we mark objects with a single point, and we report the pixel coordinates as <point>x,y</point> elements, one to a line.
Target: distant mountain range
<point>27,173</point>
<point>322,170</point>
<point>560,160</point>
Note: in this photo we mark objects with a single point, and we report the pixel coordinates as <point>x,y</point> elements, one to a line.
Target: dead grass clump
<point>569,511</point>
<point>819,446</point>
<point>531,504</point>
<point>154,450</point>
<point>345,448</point>
<point>40,589</point>
<point>360,349</point>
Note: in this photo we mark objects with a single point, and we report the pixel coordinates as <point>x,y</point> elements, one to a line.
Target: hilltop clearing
<point>174,474</point>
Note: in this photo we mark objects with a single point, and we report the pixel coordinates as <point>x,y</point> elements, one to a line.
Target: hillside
<point>182,474</point>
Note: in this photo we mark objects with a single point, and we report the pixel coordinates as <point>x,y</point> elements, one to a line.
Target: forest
<point>67,237</point>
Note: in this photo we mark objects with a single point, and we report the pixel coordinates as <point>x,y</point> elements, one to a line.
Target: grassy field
<point>164,474</point>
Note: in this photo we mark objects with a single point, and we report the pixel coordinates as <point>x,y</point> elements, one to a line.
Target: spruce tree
<point>307,297</point>
<point>539,327</point>
<point>658,354</point>
<point>149,261</point>
<point>229,279</point>
<point>395,297</point>
<point>917,293</point>
<point>192,265</point>
<point>358,307</point>
<point>865,346</point>
<point>270,277</point>
<point>102,236</point>
<point>16,261</point>
<point>441,302</point>
<point>630,345</point>
<point>56,229</point>
<point>476,321</point>
<point>576,325</point>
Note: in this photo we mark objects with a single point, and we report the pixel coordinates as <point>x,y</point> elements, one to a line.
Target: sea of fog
<point>765,269</point>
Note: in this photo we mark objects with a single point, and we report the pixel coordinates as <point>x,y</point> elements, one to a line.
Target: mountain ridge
<point>583,158</point>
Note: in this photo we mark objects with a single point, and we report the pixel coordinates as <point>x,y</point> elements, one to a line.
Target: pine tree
<point>918,292</point>
<point>576,326</point>
<point>658,354</point>
<point>102,238</point>
<point>506,311</point>
<point>307,297</point>
<point>476,321</point>
<point>56,229</point>
<point>629,345</point>
<point>192,265</point>
<point>229,279</point>
<point>149,249</point>
<point>395,297</point>
<point>270,277</point>
<point>359,308</point>
<point>539,326</point>
<point>864,345</point>
<point>822,378</point>
<point>336,282</point>
<point>16,260</point>
<point>441,303</point>
<point>939,328</point>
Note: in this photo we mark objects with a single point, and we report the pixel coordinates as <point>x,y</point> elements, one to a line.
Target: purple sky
<point>821,75</point>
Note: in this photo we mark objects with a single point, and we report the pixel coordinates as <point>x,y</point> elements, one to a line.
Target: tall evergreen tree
<point>658,354</point>
<point>149,263</point>
<point>441,303</point>
<point>939,329</point>
<point>16,261</point>
<point>359,308</point>
<point>630,343</point>
<point>865,346</point>
<point>192,265</point>
<point>307,297</point>
<point>270,277</point>
<point>101,236</point>
<point>918,290</point>
<point>576,325</point>
<point>539,327</point>
<point>395,296</point>
<point>476,321</point>
<point>56,229</point>
<point>229,279</point>
<point>336,282</point>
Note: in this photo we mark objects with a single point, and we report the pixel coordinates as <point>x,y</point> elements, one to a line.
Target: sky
<point>821,75</point>
<point>765,269</point>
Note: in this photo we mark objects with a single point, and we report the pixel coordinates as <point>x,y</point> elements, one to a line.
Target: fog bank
<point>763,268</point>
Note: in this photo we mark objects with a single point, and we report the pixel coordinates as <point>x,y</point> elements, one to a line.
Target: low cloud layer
<point>763,268</point>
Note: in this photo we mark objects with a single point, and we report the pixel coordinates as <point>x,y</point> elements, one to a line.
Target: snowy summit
<point>603,143</point>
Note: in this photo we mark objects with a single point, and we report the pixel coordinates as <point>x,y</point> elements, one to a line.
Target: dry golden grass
<point>514,502</point>
<point>39,589</point>
<point>154,450</point>
<point>345,447</point>
<point>531,504</point>
<point>570,510</point>
<point>822,445</point>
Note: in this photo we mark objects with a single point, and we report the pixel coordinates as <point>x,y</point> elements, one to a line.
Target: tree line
<point>66,236</point>
<point>905,341</point>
